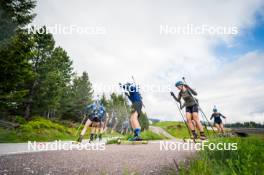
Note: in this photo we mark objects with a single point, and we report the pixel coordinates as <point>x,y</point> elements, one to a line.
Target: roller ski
<point>197,140</point>
<point>78,141</point>
<point>132,141</point>
<point>194,138</point>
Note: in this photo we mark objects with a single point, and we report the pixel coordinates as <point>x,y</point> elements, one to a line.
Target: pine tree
<point>77,97</point>
<point>14,15</point>
<point>15,53</point>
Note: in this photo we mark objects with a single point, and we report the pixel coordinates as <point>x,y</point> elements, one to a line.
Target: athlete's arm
<point>222,115</point>
<point>212,116</point>
<point>179,100</point>
<point>175,98</point>
<point>191,90</point>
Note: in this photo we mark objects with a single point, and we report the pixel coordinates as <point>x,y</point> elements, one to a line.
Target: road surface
<point>115,159</point>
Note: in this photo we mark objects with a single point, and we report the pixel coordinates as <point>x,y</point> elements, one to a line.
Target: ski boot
<point>91,138</point>
<point>80,139</point>
<point>202,136</point>
<point>100,137</point>
<point>136,138</point>
<point>194,136</point>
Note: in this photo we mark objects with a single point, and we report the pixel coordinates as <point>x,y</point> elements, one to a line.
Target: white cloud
<point>133,46</point>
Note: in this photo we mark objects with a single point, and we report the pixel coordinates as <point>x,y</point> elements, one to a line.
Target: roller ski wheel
<point>132,141</point>
<point>118,141</point>
<point>186,140</point>
<point>127,142</point>
<point>76,142</point>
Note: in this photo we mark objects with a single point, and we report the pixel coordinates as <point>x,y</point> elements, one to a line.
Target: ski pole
<point>183,119</point>
<point>203,114</point>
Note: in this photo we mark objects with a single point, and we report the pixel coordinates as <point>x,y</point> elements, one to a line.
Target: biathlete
<point>132,92</point>
<point>99,128</point>
<point>218,121</point>
<point>96,119</point>
<point>191,106</point>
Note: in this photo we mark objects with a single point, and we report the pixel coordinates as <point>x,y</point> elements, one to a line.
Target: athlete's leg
<point>194,124</point>
<point>135,125</point>
<point>136,110</point>
<point>197,121</point>
<point>189,121</point>
<point>218,127</point>
<point>93,131</point>
<point>87,124</point>
<point>96,132</point>
<point>134,120</point>
<point>191,124</point>
<point>199,125</point>
<point>97,129</point>
<point>222,128</point>
<point>101,130</point>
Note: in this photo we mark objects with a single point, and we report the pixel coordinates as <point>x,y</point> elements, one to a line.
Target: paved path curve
<point>160,130</point>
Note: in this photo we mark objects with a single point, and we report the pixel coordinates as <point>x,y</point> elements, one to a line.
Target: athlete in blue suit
<point>132,92</point>
<point>96,119</point>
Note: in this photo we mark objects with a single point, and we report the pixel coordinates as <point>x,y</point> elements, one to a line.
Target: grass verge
<point>246,160</point>
<point>38,129</point>
<point>176,129</point>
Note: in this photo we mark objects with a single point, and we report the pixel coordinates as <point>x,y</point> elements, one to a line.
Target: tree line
<point>37,77</point>
<point>250,124</point>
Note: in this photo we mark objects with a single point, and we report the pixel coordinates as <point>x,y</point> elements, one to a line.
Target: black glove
<point>172,94</point>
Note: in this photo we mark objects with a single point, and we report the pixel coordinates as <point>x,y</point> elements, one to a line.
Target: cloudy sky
<point>126,38</point>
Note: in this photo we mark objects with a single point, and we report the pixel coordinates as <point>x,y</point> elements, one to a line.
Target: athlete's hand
<point>172,94</point>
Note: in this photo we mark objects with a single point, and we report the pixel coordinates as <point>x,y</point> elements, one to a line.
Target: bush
<point>20,120</point>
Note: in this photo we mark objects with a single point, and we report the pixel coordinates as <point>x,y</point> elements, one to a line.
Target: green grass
<point>41,129</point>
<point>148,135</point>
<point>246,160</point>
<point>38,129</point>
<point>176,129</point>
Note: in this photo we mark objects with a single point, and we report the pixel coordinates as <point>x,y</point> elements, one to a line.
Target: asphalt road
<point>113,159</point>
